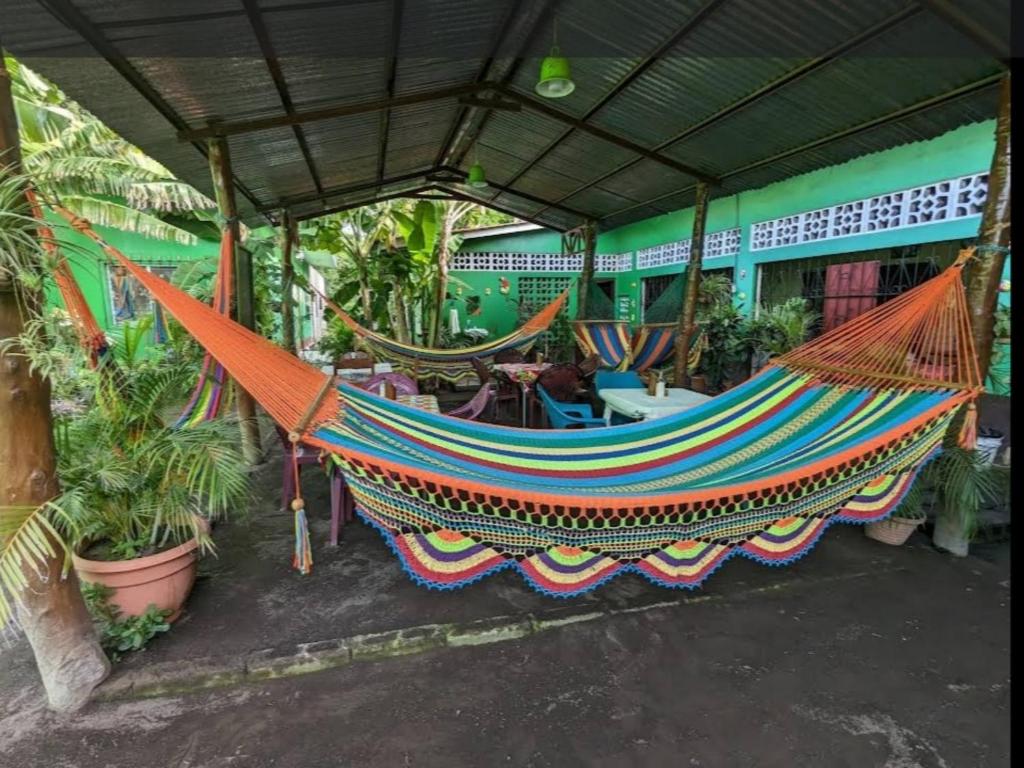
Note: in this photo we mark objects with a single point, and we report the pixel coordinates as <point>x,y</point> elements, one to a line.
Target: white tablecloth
<point>637,404</point>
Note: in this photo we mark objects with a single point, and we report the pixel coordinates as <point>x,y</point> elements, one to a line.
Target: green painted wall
<point>89,263</point>
<point>960,152</point>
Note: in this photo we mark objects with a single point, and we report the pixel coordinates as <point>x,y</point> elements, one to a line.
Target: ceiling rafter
<point>327,113</point>
<point>72,18</point>
<point>252,11</point>
<point>890,117</point>
<point>545,15</point>
<point>389,85</point>
<point>327,194</point>
<point>481,76</point>
<point>787,78</point>
<point>670,42</point>
<point>466,197</point>
<point>961,21</point>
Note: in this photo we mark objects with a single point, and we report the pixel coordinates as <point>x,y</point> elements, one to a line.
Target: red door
<point>850,290</point>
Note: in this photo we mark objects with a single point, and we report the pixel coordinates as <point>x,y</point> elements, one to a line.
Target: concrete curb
<point>178,677</point>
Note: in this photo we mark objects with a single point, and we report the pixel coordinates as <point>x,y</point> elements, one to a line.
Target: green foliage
<point>418,230</point>
<point>72,156</point>
<point>783,327</point>
<point>338,339</point>
<point>714,290</point>
<point>1001,324</point>
<point>122,634</point>
<point>134,482</point>
<point>964,482</point>
<point>728,344</point>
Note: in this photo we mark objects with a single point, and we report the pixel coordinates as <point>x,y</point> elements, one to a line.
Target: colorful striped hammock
<point>650,347</point>
<point>452,365</point>
<point>834,431</point>
<point>212,395</point>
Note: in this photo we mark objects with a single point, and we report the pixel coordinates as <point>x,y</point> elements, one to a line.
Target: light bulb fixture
<point>476,178</point>
<point>555,77</point>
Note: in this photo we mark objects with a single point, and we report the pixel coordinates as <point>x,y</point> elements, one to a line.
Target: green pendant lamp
<point>476,178</point>
<point>555,77</point>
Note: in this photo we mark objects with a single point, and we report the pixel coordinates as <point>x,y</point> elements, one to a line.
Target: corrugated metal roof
<point>746,91</point>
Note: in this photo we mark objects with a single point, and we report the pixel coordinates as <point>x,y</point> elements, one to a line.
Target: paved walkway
<point>858,655</point>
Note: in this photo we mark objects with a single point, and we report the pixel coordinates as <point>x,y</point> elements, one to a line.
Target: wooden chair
<point>353,361</point>
<point>590,364</point>
<point>505,390</point>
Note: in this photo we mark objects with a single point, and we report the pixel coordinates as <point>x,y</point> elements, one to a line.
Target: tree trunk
<point>400,316</point>
<point>53,614</point>
<point>986,270</point>
<point>287,283</point>
<point>587,274</point>
<point>686,329</point>
<point>447,224</point>
<point>365,298</point>
<point>241,260</point>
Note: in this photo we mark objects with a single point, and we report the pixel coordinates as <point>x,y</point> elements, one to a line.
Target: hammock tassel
<point>302,558</point>
<point>969,431</point>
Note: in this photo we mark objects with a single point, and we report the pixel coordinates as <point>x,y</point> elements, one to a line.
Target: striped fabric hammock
<point>834,431</point>
<point>212,394</point>
<point>650,347</point>
<point>452,365</point>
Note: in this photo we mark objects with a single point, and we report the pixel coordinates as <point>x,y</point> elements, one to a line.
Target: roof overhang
<point>327,105</point>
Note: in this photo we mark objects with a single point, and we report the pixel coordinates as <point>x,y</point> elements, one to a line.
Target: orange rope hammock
<point>89,333</point>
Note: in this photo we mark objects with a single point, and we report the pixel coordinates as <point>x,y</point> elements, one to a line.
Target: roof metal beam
<point>525,195</point>
<point>613,138</point>
<point>481,76</point>
<point>673,40</point>
<point>546,14</point>
<point>961,21</point>
<point>389,86</point>
<point>367,201</point>
<point>71,17</point>
<point>891,117</point>
<point>459,195</point>
<point>326,113</point>
<point>787,78</point>
<point>252,10</point>
<point>287,202</point>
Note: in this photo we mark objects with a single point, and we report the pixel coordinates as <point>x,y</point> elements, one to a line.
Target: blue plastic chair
<point>568,415</point>
<point>617,380</point>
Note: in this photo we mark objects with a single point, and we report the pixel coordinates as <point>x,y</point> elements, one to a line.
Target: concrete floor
<point>858,655</point>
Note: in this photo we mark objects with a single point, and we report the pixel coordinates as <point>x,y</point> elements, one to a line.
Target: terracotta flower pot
<point>894,531</point>
<point>164,579</point>
<point>698,383</point>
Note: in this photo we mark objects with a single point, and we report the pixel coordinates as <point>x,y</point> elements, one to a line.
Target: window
<point>128,299</point>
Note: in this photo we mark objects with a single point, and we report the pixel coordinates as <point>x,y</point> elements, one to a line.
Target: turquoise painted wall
<point>960,152</point>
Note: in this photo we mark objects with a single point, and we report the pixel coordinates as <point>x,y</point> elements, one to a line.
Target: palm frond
<point>28,541</point>
<point>110,213</point>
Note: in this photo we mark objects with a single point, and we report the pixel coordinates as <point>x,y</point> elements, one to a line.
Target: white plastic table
<point>637,404</point>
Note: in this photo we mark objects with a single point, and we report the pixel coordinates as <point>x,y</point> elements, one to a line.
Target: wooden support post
<point>220,169</point>
<point>288,241</point>
<point>52,612</point>
<point>686,325</point>
<point>587,275</point>
<point>986,271</point>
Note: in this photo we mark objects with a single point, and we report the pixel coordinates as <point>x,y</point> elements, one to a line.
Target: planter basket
<point>894,531</point>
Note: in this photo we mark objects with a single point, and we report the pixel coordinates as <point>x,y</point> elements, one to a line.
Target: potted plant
<point>138,494</point>
<point>782,327</point>
<point>963,482</point>
<point>724,328</point>
<point>896,529</point>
